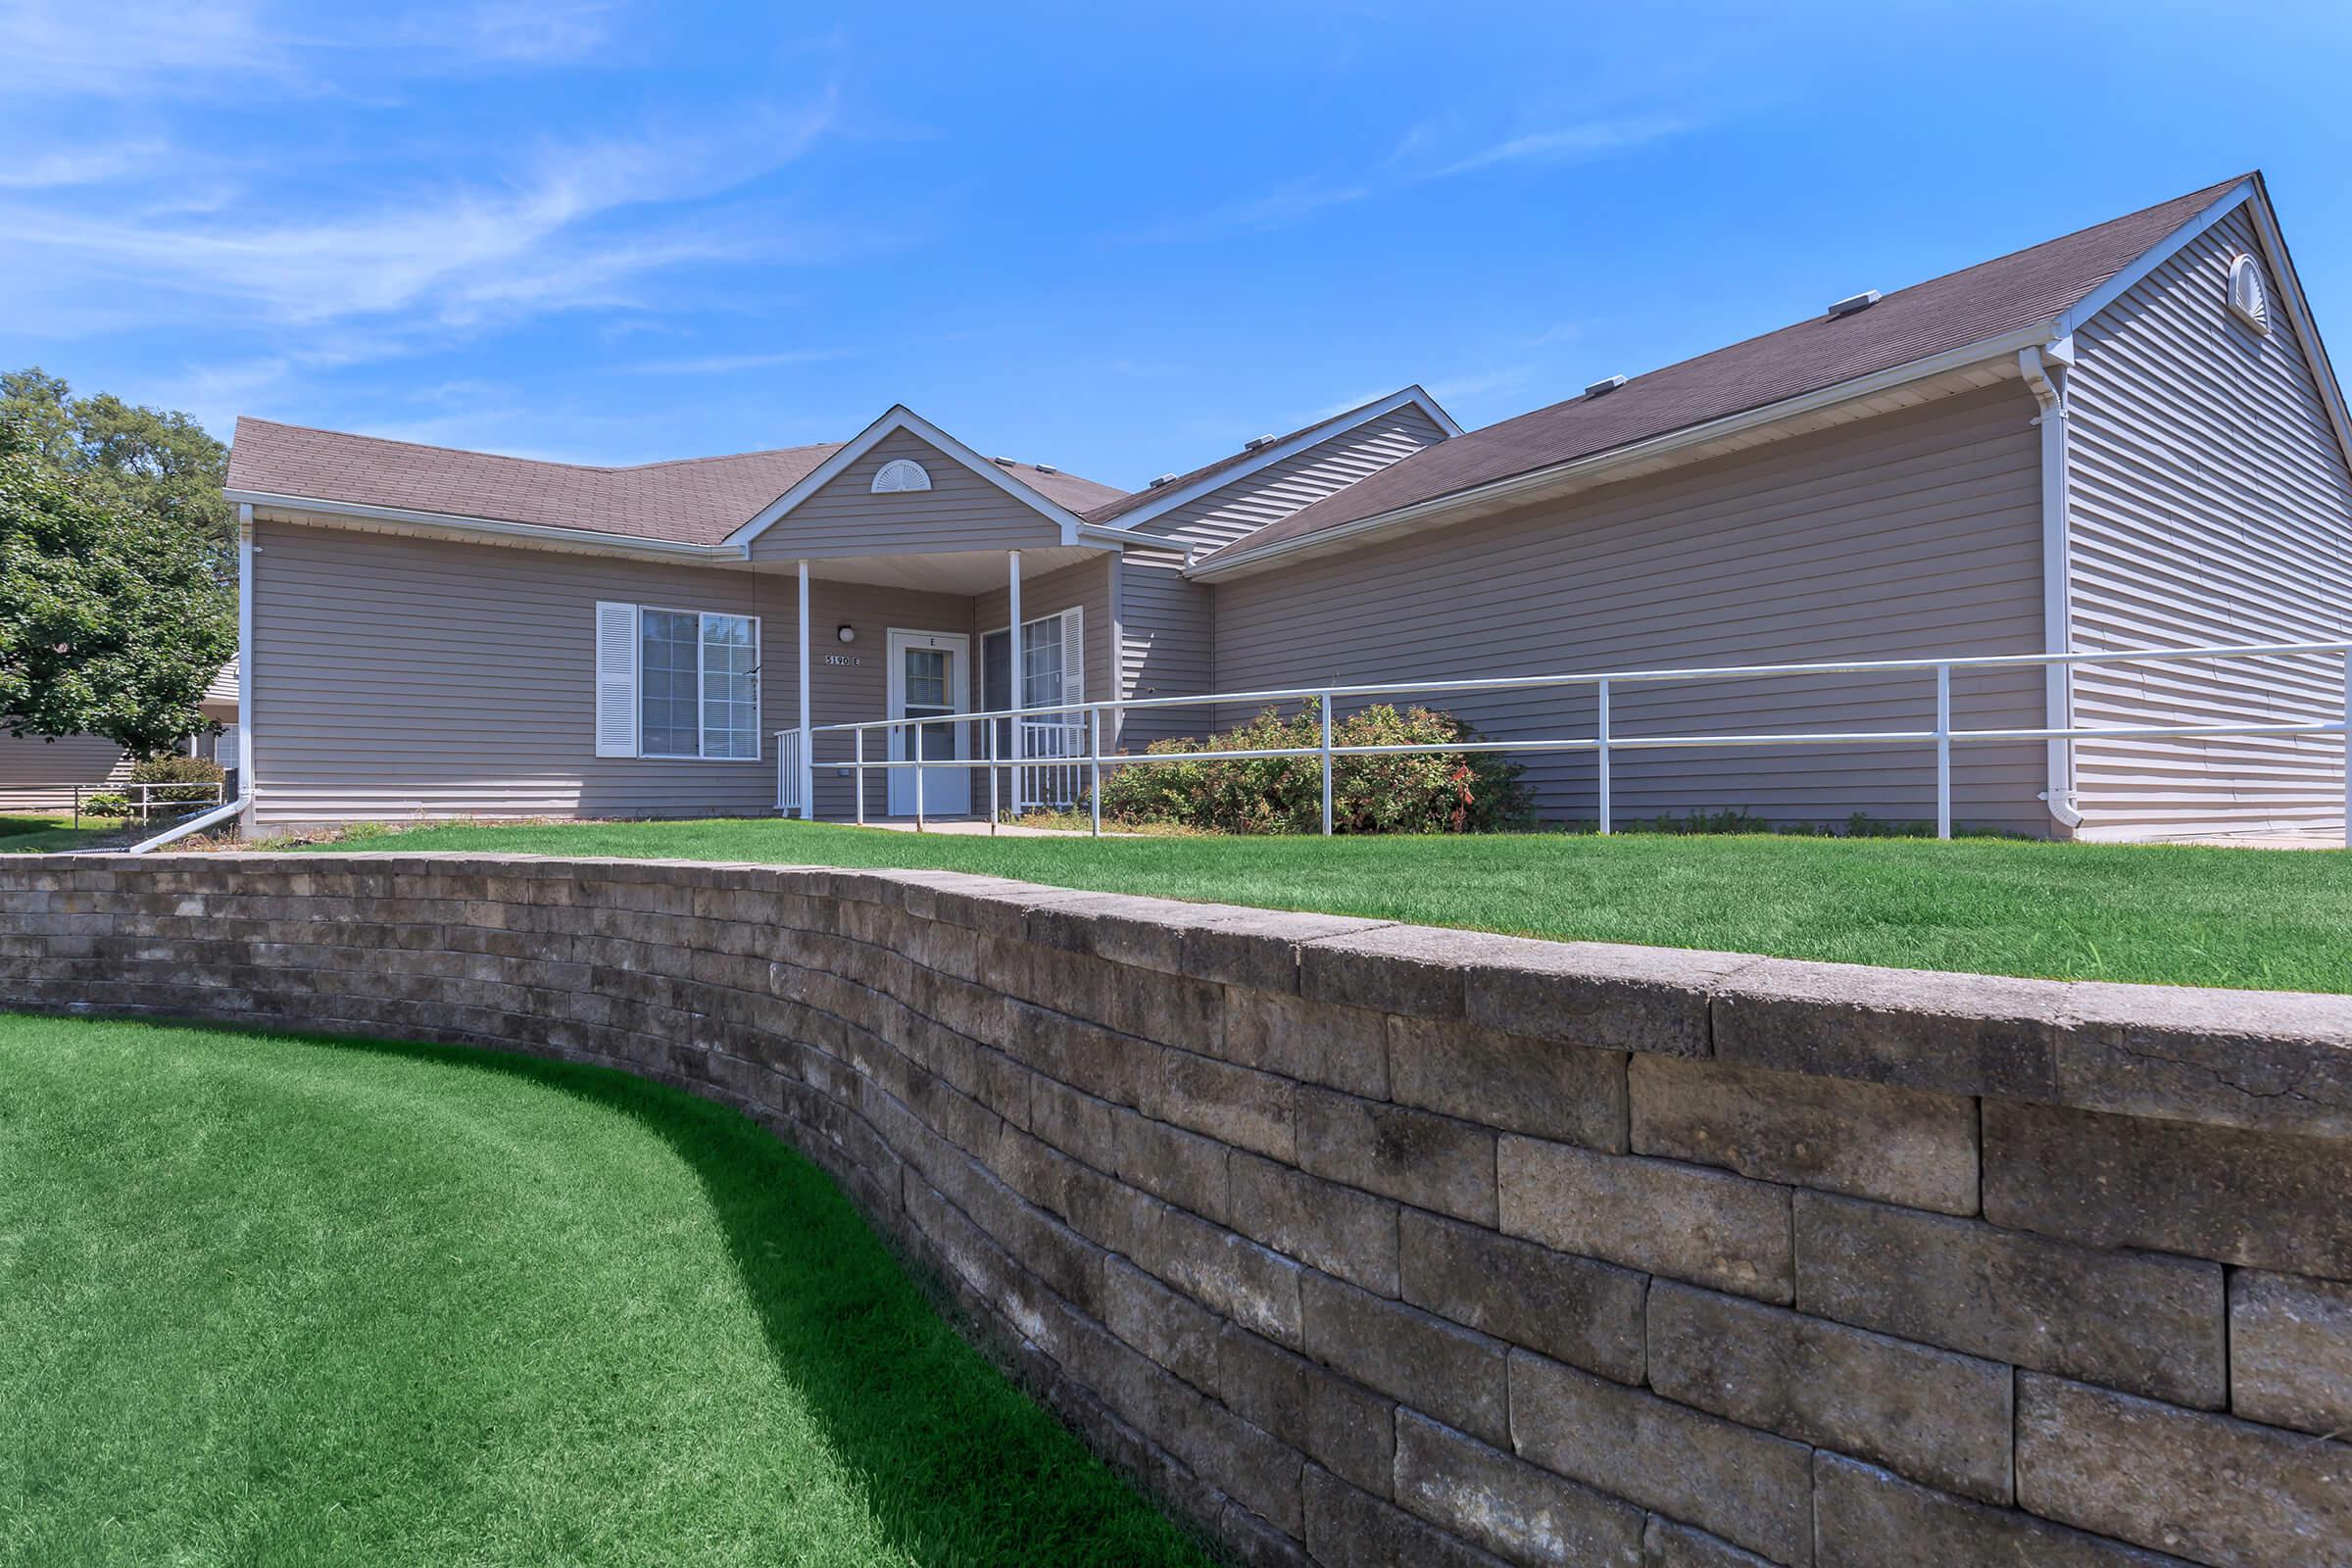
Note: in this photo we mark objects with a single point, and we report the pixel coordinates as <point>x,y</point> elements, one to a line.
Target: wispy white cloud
<point>732,363</point>
<point>153,50</point>
<point>1277,208</point>
<point>1562,144</point>
<point>573,225</point>
<point>79,166</point>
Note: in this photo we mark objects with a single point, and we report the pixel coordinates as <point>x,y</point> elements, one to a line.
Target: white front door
<point>929,679</point>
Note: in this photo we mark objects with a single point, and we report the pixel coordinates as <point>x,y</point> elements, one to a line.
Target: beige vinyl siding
<point>1169,627</point>
<point>960,512</point>
<point>399,677</point>
<point>1085,587</point>
<point>37,774</point>
<point>2209,504</point>
<point>1170,622</point>
<point>1912,533</point>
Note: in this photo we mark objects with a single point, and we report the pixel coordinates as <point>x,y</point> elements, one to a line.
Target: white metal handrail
<point>1605,742</point>
<point>144,797</point>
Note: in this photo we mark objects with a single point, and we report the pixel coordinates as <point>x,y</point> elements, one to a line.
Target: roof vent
<point>1166,478</point>
<point>1605,384</point>
<point>1856,302</point>
<point>1045,467</point>
<point>1254,442</point>
<point>1002,463</point>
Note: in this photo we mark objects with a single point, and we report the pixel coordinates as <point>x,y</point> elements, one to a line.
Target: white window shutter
<point>1073,663</point>
<point>615,679</point>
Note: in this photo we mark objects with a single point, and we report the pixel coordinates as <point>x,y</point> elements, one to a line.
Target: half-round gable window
<point>902,473</point>
<point>2250,298</point>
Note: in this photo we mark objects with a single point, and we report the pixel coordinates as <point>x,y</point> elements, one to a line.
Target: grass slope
<point>270,1300</point>
<point>54,835</point>
<point>2272,919</point>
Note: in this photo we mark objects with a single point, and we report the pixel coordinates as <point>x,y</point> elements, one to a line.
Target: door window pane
<point>926,678</point>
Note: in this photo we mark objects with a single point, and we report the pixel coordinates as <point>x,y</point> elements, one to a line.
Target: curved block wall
<point>1365,1243</point>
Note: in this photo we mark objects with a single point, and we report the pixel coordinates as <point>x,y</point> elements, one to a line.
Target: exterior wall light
<point>845,632</point>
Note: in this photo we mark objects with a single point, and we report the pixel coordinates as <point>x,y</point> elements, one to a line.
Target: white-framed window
<point>1053,670</point>
<point>676,683</point>
<point>2250,298</point>
<point>901,473</point>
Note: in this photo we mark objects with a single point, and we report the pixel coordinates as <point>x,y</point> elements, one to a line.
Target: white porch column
<point>807,767</point>
<point>1013,588</point>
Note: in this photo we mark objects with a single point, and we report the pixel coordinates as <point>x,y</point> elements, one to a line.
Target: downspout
<point>2044,369</point>
<point>243,804</point>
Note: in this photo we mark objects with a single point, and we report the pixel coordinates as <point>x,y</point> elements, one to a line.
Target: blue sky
<point>1121,238</point>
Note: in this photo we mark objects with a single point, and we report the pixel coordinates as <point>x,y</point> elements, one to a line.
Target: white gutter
<point>2045,371</point>
<point>1225,562</point>
<point>496,527</point>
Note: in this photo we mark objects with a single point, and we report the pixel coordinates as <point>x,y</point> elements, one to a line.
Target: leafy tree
<point>114,610</point>
<point>159,465</point>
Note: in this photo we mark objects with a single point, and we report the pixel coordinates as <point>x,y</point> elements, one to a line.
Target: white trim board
<point>902,417</point>
<point>1274,452</point>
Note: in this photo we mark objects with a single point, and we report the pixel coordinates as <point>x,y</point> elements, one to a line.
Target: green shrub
<point>1426,792</point>
<point>106,805</point>
<point>201,777</point>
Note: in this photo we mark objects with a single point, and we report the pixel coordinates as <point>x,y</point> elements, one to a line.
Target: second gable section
<point>960,511</point>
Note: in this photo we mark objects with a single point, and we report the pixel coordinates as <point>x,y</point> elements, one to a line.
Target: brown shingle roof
<point>1946,312</point>
<point>689,501</point>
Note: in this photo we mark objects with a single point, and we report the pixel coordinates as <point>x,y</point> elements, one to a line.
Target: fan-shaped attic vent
<point>2249,297</point>
<point>902,473</point>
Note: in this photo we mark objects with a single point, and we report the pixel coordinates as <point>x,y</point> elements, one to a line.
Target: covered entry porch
<point>924,640</point>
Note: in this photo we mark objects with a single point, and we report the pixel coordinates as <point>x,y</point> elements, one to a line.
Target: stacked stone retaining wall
<point>1364,1244</point>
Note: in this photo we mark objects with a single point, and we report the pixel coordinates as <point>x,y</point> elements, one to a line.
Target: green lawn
<point>2275,920</point>
<point>267,1300</point>
<point>55,834</point>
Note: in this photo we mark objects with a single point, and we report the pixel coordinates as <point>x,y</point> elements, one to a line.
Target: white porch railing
<point>1059,784</point>
<point>789,771</point>
<point>1084,721</point>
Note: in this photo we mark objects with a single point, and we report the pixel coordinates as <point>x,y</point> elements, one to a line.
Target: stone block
<point>1419,971</point>
<point>1934,1415</point>
<point>1685,1221</point>
<point>1316,1042</point>
<point>2291,1351</point>
<point>1336,1229</point>
<point>1169,1328</point>
<point>2154,1325</point>
<point>1571,1308</point>
<point>1423,1361</point>
<point>1220,1270</point>
<point>2209,1488</point>
<point>1075,1122</point>
<point>1236,1105</point>
<point>1602,995</point>
<point>1170,1009</point>
<point>1184,1168</point>
<point>1427,1161</point>
<point>1241,946</point>
<point>1965,1034</point>
<point>1348,1527</point>
<point>1866,1517</point>
<point>1522,1084</point>
<point>1263,1384</point>
<point>1352,1431</point>
<point>2269,1201</point>
<point>1751,1489</point>
<point>1903,1145</point>
<point>1667,1544</point>
<point>2268,1060</point>
<point>1513,1509</point>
